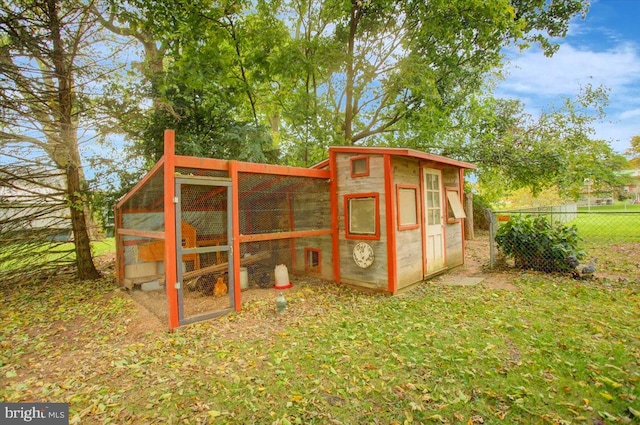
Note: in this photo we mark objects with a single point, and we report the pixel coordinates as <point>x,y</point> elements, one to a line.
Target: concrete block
<point>133,271</point>
<point>153,285</point>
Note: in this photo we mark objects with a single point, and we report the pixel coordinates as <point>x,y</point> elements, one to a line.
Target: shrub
<point>535,243</point>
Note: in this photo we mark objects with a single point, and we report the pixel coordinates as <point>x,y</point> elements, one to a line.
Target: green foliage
<point>536,244</point>
<point>480,207</point>
<point>319,73</point>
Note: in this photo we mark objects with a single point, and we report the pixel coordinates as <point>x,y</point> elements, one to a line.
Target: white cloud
<point>539,82</point>
<point>570,68</point>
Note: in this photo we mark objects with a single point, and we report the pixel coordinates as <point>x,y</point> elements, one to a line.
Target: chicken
<point>220,288</point>
<point>588,270</point>
<point>582,272</point>
<point>573,262</point>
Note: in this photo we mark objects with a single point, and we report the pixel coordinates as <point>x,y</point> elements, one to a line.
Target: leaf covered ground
<point>550,350</point>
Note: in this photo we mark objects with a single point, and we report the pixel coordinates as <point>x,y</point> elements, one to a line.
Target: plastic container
<point>244,278</point>
<point>282,277</point>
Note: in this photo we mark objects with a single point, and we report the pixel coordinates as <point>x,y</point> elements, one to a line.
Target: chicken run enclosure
<point>228,219</point>
<point>197,236</point>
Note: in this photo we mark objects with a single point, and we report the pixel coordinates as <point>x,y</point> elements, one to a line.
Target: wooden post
<point>468,210</point>
<point>170,250</point>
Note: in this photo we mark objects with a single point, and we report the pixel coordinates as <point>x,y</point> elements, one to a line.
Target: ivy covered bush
<point>535,243</point>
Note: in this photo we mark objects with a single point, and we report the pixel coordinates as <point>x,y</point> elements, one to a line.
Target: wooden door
<point>433,210</point>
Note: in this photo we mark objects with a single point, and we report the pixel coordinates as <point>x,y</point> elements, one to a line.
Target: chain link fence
<point>585,242</point>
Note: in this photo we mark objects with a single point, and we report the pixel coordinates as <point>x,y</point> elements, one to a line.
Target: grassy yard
<point>554,351</point>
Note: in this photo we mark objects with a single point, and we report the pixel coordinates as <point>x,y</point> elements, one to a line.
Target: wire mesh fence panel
<point>143,263</point>
<point>203,225</point>
<point>275,204</point>
<point>584,243</point>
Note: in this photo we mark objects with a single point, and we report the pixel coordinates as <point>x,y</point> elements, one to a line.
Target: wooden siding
<point>374,277</point>
<point>408,242</point>
<point>324,245</point>
<point>454,245</point>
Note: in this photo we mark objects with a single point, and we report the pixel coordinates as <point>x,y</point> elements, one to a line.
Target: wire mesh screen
<point>144,210</point>
<point>584,243</point>
<point>274,204</point>
<point>204,229</point>
<point>144,273</point>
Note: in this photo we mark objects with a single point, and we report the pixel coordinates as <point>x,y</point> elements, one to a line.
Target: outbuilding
<point>198,234</point>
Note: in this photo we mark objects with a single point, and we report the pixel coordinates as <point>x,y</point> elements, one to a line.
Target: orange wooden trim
<point>142,182</point>
<point>423,220</point>
<point>399,209</point>
<point>170,261</point>
<point>282,170</point>
<point>203,163</point>
<point>235,230</point>
<point>463,222</point>
<point>364,150</point>
<point>366,172</point>
<point>140,210</point>
<point>284,235</point>
<point>347,198</point>
<point>307,266</point>
<point>392,259</point>
<point>333,193</point>
<point>143,233</point>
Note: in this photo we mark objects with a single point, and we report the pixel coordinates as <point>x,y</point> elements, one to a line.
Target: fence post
<point>491,218</point>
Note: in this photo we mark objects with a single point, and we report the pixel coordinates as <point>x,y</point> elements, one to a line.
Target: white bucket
<point>244,278</point>
<point>282,276</point>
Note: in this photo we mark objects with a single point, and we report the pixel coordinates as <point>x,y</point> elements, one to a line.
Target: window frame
<point>451,210</point>
<point>347,216</point>
<point>416,191</point>
<point>353,159</point>
<point>309,267</point>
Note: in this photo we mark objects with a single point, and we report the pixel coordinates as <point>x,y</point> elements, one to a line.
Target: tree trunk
<point>84,259</point>
<point>349,102</point>
<point>468,211</point>
<point>65,146</point>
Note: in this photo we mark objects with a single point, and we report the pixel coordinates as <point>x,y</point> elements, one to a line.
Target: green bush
<point>535,243</point>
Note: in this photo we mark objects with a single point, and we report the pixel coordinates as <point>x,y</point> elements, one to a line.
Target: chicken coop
<point>196,236</point>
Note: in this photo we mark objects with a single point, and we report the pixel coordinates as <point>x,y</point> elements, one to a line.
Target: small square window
<point>362,216</point>
<point>407,207</point>
<point>359,166</point>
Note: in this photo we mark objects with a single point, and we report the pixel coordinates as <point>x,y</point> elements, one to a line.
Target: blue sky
<point>603,49</point>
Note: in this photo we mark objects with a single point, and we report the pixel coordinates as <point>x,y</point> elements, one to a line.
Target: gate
<point>204,248</point>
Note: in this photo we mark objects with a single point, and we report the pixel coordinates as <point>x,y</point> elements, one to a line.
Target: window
<point>312,260</point>
<point>455,211</point>
<point>362,216</point>
<point>407,207</point>
<point>359,166</point>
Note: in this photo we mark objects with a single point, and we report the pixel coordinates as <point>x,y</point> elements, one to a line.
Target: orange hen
<point>220,288</point>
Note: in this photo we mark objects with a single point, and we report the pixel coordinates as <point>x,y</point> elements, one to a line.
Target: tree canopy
<point>319,72</point>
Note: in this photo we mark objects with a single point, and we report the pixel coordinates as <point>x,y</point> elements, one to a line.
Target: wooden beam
<point>225,266</point>
<point>142,233</point>
<point>284,235</point>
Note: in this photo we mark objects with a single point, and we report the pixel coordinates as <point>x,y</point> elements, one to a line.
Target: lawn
<point>611,226</point>
<point>554,350</point>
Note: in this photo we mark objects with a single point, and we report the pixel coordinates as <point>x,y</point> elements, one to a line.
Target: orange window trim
<point>416,188</point>
<point>372,236</point>
<point>353,159</point>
